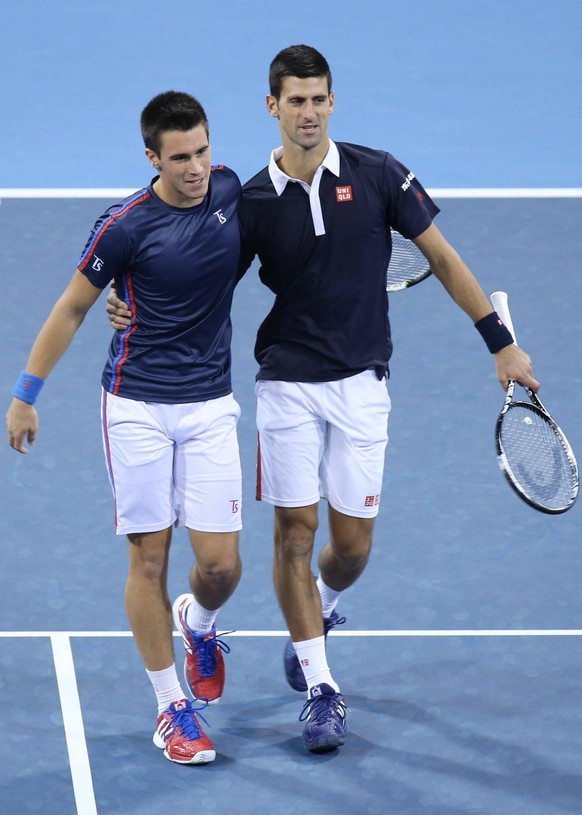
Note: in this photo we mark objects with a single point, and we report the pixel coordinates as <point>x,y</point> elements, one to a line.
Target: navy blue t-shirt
<point>330,315</point>
<point>176,268</point>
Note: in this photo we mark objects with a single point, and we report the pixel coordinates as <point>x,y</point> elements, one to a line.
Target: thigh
<point>353,464</point>
<point>291,443</point>
<point>207,469</point>
<point>139,458</point>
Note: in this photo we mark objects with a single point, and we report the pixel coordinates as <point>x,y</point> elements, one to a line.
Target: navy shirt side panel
<point>176,268</point>
<point>330,316</point>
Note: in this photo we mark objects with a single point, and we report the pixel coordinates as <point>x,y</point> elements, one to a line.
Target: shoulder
<point>259,182</point>
<point>376,163</point>
<point>366,156</point>
<point>221,174</point>
<point>126,209</point>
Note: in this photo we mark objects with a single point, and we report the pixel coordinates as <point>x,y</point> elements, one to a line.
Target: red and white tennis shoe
<point>204,669</point>
<point>179,735</point>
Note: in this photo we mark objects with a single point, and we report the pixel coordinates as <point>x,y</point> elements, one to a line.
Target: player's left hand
<point>117,311</point>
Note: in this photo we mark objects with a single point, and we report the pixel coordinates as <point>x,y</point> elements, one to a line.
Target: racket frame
<point>535,405</point>
<point>400,240</point>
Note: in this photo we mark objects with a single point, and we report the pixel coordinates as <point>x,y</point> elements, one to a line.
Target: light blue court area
<point>460,661</point>
<point>467,94</point>
<point>461,657</point>
<point>443,724</point>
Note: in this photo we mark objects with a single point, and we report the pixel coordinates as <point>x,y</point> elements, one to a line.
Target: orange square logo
<point>343,194</point>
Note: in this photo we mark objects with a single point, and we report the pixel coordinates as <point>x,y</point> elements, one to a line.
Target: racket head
<point>407,267</point>
<point>536,458</point>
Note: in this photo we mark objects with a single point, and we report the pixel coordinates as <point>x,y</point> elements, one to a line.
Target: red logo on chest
<point>343,194</point>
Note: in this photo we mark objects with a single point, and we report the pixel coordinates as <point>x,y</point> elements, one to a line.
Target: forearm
<point>462,286</point>
<point>53,339</point>
<point>448,266</point>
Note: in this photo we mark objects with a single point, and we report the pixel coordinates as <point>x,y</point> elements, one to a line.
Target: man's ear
<point>272,106</point>
<point>153,158</point>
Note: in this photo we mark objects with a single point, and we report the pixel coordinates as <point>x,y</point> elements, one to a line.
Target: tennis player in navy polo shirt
<point>169,415</point>
<point>319,219</point>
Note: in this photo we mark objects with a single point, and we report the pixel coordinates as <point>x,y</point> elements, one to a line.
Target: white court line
<point>73,723</point>
<point>413,632</point>
<point>444,192</point>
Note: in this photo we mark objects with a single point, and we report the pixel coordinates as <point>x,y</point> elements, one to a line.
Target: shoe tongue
<point>321,690</point>
<point>183,703</point>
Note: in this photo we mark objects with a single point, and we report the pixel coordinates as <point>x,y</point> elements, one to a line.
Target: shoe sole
<point>326,746</point>
<point>203,757</point>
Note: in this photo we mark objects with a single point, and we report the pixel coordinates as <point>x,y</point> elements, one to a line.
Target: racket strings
<point>407,264</point>
<point>537,457</point>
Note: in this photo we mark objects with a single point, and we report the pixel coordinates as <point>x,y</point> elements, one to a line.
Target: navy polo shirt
<point>324,251</point>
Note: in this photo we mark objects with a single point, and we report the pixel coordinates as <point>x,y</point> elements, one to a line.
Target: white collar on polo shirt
<point>280,180</point>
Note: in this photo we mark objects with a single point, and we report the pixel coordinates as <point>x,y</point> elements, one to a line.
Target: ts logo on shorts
<point>343,194</point>
<point>372,500</point>
<point>234,505</point>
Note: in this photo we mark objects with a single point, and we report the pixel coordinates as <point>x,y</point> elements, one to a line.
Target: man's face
<point>303,110</point>
<point>184,166</point>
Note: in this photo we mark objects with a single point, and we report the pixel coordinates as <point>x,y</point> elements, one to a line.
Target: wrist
<point>28,387</point>
<point>495,333</point>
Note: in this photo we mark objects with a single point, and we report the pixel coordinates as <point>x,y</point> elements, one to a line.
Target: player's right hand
<point>21,424</point>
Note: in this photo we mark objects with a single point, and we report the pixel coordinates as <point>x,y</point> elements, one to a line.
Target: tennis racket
<point>407,266</point>
<point>532,451</point>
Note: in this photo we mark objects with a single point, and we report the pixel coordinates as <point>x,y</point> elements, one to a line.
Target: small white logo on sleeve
<point>97,264</point>
<point>220,215</point>
<point>406,184</point>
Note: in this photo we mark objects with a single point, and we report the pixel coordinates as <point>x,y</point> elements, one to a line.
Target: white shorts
<point>323,440</point>
<point>173,465</point>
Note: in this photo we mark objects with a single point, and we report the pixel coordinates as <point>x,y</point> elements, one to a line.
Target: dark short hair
<point>171,110</point>
<point>301,61</point>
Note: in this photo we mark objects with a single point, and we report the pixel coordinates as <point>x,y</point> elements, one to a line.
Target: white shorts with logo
<point>323,440</point>
<point>173,465</point>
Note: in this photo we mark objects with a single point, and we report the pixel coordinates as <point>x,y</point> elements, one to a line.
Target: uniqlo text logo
<point>343,194</point>
<point>372,500</point>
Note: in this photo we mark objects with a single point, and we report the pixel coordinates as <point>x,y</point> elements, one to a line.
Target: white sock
<point>166,686</point>
<point>200,619</point>
<point>329,598</point>
<point>313,660</point>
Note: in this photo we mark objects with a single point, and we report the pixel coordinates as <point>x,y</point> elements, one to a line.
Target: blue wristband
<point>494,332</point>
<point>28,387</point>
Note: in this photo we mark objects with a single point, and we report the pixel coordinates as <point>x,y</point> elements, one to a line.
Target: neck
<point>297,162</point>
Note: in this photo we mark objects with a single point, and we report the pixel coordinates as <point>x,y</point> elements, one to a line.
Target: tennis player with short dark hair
<point>169,415</point>
<point>319,219</point>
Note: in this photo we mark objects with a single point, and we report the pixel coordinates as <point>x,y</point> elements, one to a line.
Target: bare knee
<point>148,556</point>
<point>295,531</point>
<point>217,557</point>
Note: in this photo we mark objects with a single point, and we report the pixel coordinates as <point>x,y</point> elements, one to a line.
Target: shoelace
<point>205,653</point>
<point>316,708</point>
<point>331,622</point>
<point>186,719</point>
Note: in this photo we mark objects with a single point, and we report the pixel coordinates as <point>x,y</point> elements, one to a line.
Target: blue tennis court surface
<point>461,658</point>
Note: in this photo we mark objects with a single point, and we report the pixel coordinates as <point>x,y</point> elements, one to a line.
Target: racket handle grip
<point>500,303</point>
